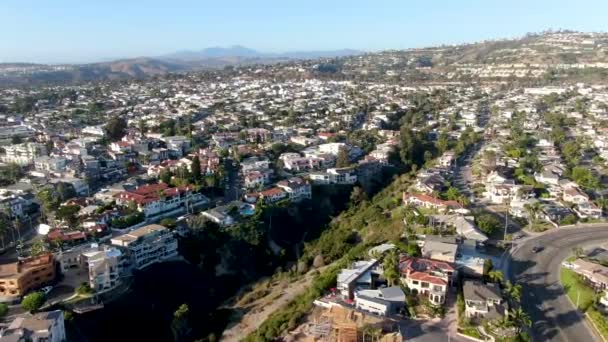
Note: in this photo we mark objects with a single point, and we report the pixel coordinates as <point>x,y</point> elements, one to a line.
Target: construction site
<point>336,323</point>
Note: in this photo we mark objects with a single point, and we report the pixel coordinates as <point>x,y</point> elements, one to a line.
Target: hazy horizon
<point>69,31</point>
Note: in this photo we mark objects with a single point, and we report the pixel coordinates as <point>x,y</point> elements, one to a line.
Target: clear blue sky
<point>54,31</point>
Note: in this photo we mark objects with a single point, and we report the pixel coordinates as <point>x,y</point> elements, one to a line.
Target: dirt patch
<point>257,305</point>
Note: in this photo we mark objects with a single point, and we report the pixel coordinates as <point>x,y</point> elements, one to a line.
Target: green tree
<point>3,230</point>
<point>357,195</point>
<point>196,169</point>
<point>180,326</point>
<point>165,176</point>
<point>585,178</point>
<point>488,266</point>
<point>342,160</point>
<point>452,194</point>
<point>66,191</point>
<point>48,199</point>
<point>116,128</point>
<point>495,276</point>
<point>513,291</point>
<point>520,319</point>
<point>443,143</point>
<point>3,309</point>
<point>33,301</point>
<point>413,249</point>
<point>532,209</point>
<point>487,223</point>
<point>67,213</point>
<point>84,289</point>
<point>391,267</point>
<point>169,223</point>
<point>38,247</point>
<point>577,251</point>
<point>143,127</point>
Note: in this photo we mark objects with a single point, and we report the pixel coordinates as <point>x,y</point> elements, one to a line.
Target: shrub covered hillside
<point>368,222</point>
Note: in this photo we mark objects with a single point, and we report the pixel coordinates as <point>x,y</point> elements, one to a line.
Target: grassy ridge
<point>350,234</point>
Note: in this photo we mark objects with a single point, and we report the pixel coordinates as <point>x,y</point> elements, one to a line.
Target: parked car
<point>568,265</point>
<point>46,290</point>
<point>537,248</point>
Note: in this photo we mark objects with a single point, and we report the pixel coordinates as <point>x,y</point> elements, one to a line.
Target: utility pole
<point>578,298</point>
<point>506,220</point>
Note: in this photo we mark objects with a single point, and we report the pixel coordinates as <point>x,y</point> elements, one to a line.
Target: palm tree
<point>513,291</point>
<point>2,233</point>
<point>520,319</point>
<point>533,209</point>
<point>18,226</point>
<point>496,276</point>
<point>390,265</point>
<point>577,251</point>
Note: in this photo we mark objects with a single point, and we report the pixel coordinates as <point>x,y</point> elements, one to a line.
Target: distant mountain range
<point>244,53</point>
<point>12,74</point>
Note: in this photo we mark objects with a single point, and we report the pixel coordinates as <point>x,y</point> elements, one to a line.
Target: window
<point>415,282</point>
<point>424,285</point>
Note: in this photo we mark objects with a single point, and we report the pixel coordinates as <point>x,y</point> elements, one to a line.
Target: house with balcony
<point>483,300</point>
<point>255,179</point>
<point>154,199</point>
<point>427,277</point>
<point>346,175</point>
<point>574,195</point>
<point>296,188</point>
<point>273,195</point>
<point>147,245</point>
<point>384,301</point>
<point>358,277</point>
<point>430,202</point>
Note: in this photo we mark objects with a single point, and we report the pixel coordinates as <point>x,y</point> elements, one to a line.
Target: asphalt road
<point>554,317</point>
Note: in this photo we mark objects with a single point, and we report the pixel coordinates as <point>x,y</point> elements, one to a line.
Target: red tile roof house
<point>154,199</point>
<point>430,202</point>
<point>59,234</point>
<point>273,195</point>
<point>427,277</point>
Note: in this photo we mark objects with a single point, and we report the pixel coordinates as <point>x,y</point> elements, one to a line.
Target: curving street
<point>554,317</point>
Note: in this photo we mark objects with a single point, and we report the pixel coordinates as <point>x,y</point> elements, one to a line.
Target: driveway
<point>434,330</point>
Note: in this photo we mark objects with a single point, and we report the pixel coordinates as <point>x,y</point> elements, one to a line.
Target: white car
<point>568,265</point>
<point>46,289</point>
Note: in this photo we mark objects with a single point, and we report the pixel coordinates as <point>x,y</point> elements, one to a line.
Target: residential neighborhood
<point>426,194</point>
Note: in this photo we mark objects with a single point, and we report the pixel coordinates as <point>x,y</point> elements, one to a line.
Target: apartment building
<point>23,154</point>
<point>18,278</point>
<point>41,327</point>
<point>105,266</point>
<point>148,245</point>
<point>46,163</point>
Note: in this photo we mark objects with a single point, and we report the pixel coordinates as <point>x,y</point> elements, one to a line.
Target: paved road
<point>553,315</point>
